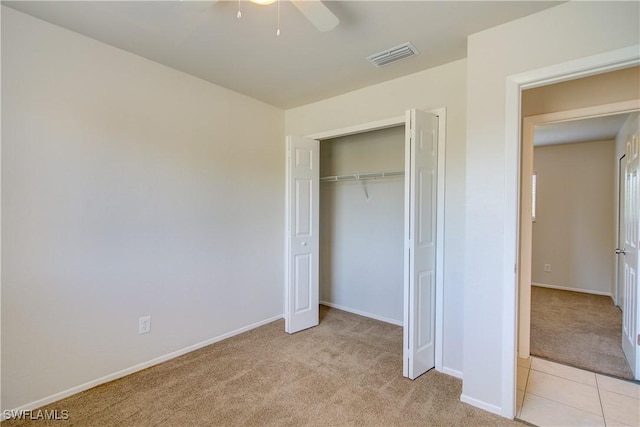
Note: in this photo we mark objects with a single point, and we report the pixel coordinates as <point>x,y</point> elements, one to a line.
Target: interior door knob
<point>304,243</point>
<point>621,251</point>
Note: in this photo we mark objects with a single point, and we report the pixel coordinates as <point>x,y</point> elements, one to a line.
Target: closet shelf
<point>360,176</point>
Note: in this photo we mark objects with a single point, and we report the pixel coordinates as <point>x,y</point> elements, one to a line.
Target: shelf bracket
<point>364,188</point>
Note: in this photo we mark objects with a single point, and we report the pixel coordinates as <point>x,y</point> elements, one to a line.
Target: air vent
<point>394,54</point>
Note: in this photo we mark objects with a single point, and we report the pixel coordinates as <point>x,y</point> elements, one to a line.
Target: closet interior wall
<point>362,224</point>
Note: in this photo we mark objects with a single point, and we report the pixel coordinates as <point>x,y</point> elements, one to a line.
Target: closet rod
<point>360,176</point>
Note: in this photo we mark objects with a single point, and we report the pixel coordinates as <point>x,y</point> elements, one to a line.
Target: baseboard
<point>568,288</point>
<point>128,371</point>
<point>482,405</point>
<point>452,372</point>
<point>361,313</point>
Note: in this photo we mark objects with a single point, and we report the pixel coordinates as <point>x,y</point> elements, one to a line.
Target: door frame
<point>526,168</point>
<point>583,67</point>
<point>440,220</point>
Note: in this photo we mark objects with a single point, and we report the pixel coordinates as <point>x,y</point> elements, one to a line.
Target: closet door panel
<point>420,254</point>
<point>302,229</point>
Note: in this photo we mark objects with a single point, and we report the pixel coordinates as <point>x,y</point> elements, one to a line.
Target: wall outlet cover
<point>144,325</point>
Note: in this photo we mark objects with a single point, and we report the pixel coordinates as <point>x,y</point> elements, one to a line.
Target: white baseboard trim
<point>569,288</point>
<point>452,372</point>
<point>482,405</point>
<point>128,371</point>
<point>361,313</point>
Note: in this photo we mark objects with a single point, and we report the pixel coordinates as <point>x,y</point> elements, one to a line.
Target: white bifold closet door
<point>302,242</point>
<point>421,195</point>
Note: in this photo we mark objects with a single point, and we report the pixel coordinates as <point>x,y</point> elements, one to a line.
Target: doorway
<point>586,260</point>
<point>573,316</point>
<point>514,134</point>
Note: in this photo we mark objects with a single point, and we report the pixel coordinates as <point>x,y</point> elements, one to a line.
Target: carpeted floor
<point>578,329</point>
<point>347,371</point>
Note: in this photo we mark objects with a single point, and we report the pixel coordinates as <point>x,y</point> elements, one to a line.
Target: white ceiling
<point>300,66</point>
<point>583,130</point>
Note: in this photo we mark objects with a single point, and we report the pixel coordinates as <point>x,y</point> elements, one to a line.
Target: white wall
<point>442,86</point>
<point>128,189</point>
<point>574,229</point>
<point>567,32</point>
<point>362,225</point>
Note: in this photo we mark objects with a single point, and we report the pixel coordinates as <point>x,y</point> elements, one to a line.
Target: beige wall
<point>442,86</point>
<point>574,231</point>
<point>607,88</point>
<point>362,224</point>
<point>128,189</point>
<point>561,34</point>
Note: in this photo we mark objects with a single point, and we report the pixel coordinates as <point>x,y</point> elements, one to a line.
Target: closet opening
<point>362,200</point>
<point>366,203</point>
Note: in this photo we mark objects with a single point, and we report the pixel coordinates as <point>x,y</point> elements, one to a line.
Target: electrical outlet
<point>144,325</point>
<point>547,268</point>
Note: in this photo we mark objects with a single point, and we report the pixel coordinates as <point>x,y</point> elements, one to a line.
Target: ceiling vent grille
<point>394,54</point>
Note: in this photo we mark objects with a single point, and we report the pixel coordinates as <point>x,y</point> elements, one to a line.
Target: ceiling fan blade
<point>316,12</point>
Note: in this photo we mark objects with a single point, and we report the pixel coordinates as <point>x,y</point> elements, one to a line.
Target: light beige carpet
<point>578,329</point>
<point>347,371</point>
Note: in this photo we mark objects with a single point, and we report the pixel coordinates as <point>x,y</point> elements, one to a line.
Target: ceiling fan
<point>314,10</point>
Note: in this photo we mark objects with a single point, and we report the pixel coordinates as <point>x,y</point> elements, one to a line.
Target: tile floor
<point>551,394</point>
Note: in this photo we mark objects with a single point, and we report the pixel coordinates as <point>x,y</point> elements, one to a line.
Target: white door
<point>621,236</point>
<point>631,307</point>
<point>302,242</point>
<point>421,185</point>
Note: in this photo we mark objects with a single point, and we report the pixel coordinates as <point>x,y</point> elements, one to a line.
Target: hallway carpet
<point>578,329</point>
<point>345,372</point>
